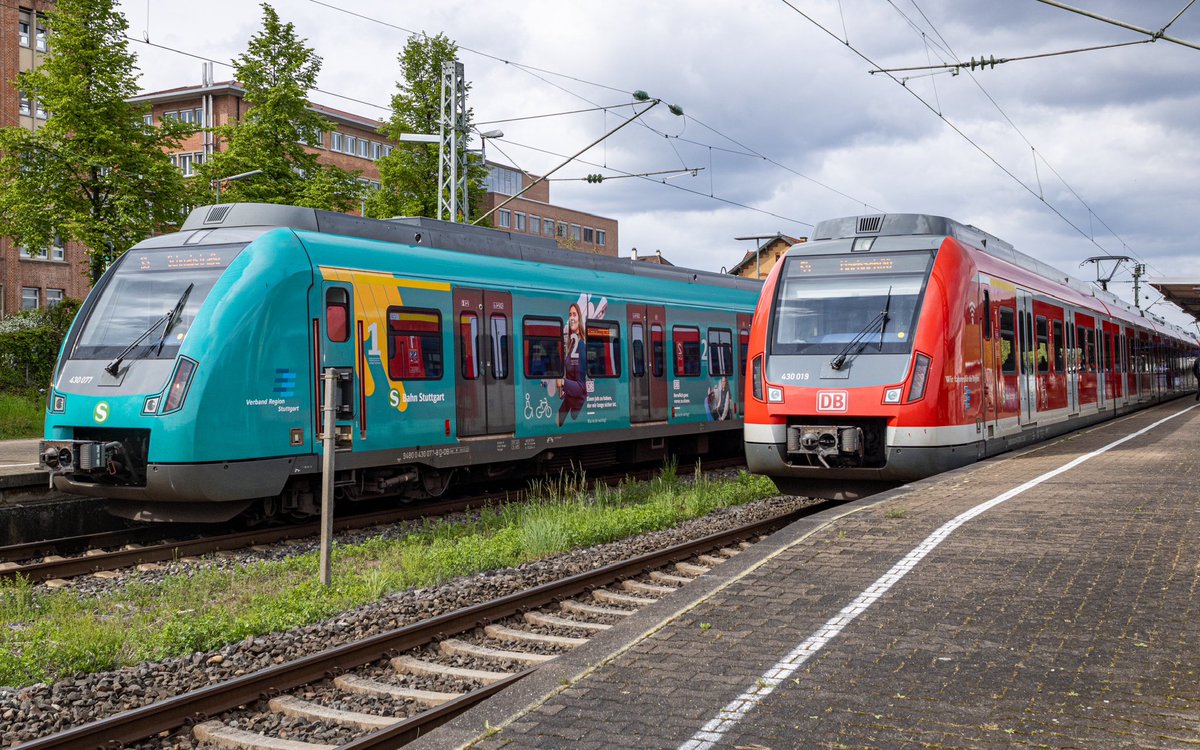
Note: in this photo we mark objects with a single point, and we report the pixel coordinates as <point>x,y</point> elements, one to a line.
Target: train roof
<point>897,225</point>
<point>444,235</point>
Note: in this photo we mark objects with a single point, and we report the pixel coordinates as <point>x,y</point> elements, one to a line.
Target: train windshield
<point>826,302</point>
<point>142,291</point>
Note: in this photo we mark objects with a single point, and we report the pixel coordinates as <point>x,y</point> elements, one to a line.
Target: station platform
<point>1045,598</point>
<point>19,462</point>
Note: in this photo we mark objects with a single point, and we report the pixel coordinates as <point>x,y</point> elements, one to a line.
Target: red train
<point>893,347</point>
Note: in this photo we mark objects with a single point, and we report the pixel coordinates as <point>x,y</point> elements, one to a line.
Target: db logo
<point>832,400</point>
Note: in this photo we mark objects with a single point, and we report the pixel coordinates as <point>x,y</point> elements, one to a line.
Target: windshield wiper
<point>176,315</point>
<point>858,341</point>
<point>887,305</point>
<point>166,320</point>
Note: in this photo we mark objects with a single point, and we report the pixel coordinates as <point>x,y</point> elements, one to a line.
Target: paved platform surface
<point>1064,614</point>
<point>19,458</point>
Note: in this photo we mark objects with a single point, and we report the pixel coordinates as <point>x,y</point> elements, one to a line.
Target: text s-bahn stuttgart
<point>188,387</point>
<point>892,347</point>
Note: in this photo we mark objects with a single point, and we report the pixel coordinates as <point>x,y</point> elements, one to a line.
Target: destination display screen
<point>848,265</point>
<point>181,258</point>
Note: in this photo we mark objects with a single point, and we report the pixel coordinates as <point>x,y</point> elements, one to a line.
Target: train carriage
<point>189,385</point>
<point>892,347</point>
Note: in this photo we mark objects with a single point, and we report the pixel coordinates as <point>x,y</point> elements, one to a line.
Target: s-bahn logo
<point>100,413</point>
<point>832,400</point>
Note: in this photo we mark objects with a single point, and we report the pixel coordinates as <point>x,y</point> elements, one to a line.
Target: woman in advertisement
<point>572,387</point>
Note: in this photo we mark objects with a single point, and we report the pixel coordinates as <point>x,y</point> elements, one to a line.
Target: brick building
<point>354,144</point>
<point>533,213</point>
<point>30,280</point>
<point>758,263</point>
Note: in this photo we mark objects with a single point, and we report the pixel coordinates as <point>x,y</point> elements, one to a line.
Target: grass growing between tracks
<point>21,416</point>
<point>46,635</point>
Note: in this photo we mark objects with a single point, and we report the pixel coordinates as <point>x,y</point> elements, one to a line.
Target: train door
<point>483,350</point>
<point>743,360</point>
<point>339,346</point>
<point>1026,357</point>
<point>1101,364</point>
<point>989,364</point>
<point>647,363</point>
<point>1072,362</point>
<point>1112,348</point>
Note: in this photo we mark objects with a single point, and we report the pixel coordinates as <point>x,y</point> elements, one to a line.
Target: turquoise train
<point>189,386</point>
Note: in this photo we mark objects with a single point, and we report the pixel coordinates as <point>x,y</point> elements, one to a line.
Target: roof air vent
<point>217,214</point>
<point>869,224</point>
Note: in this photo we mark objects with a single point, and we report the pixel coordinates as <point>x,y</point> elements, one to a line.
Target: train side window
<point>337,314</point>
<point>987,315</point>
<point>743,348</point>
<point>637,336</point>
<point>658,351</point>
<point>603,350</point>
<point>543,347</point>
<point>468,337</point>
<point>414,343</point>
<point>1008,342</point>
<point>1091,350</point>
<point>687,351</point>
<point>1056,330</point>
<point>720,352</point>
<point>1110,352</point>
<point>1043,344</point>
<point>1080,342</point>
<point>499,344</point>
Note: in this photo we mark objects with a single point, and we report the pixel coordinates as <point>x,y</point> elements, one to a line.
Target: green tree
<point>277,71</point>
<point>409,175</point>
<point>94,172</point>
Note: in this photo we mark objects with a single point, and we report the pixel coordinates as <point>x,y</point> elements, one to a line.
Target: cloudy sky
<point>1066,156</point>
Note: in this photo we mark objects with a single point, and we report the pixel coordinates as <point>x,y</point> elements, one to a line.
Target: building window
<point>519,221</point>
<point>58,251</point>
<point>23,251</point>
<point>575,232</point>
<point>23,29</point>
<point>53,297</point>
<point>503,217</point>
<point>148,119</point>
<point>600,235</point>
<point>503,180</point>
<point>171,115</point>
<point>376,150</point>
<point>30,298</point>
<point>548,227</point>
<point>351,144</point>
<point>335,141</point>
<point>26,106</point>
<point>187,162</point>
<point>387,150</point>
<point>535,224</point>
<point>562,229</point>
<point>40,39</point>
<point>364,148</point>
<point>39,111</point>
<point>589,235</point>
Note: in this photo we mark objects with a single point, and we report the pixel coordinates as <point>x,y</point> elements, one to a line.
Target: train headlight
<point>150,406</point>
<point>920,378</point>
<point>756,377</point>
<point>58,403</point>
<point>774,394</point>
<point>179,384</point>
<point>892,395</point>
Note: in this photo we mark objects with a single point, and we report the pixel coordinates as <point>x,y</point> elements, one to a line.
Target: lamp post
<point>233,178</point>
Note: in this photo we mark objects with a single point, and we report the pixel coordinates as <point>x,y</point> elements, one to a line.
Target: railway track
<point>416,677</point>
<point>42,561</point>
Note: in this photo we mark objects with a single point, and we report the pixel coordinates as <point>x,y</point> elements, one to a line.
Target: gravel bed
<point>39,710</point>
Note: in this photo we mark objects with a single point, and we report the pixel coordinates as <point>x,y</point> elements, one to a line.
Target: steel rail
<point>200,705</point>
<point>125,558</point>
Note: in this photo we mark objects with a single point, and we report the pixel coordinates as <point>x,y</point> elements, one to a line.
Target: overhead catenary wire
<point>952,126</point>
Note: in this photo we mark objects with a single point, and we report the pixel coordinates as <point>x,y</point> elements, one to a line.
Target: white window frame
<point>364,148</point>
<point>518,221</point>
<point>24,24</point>
<point>336,140</point>
<point>504,218</point>
<point>25,296</point>
<point>54,296</point>
<point>575,232</point>
<point>40,37</point>
<point>24,104</point>
<point>601,235</point>
<point>351,144</point>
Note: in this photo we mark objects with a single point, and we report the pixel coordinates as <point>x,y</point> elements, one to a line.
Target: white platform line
<point>737,709</point>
